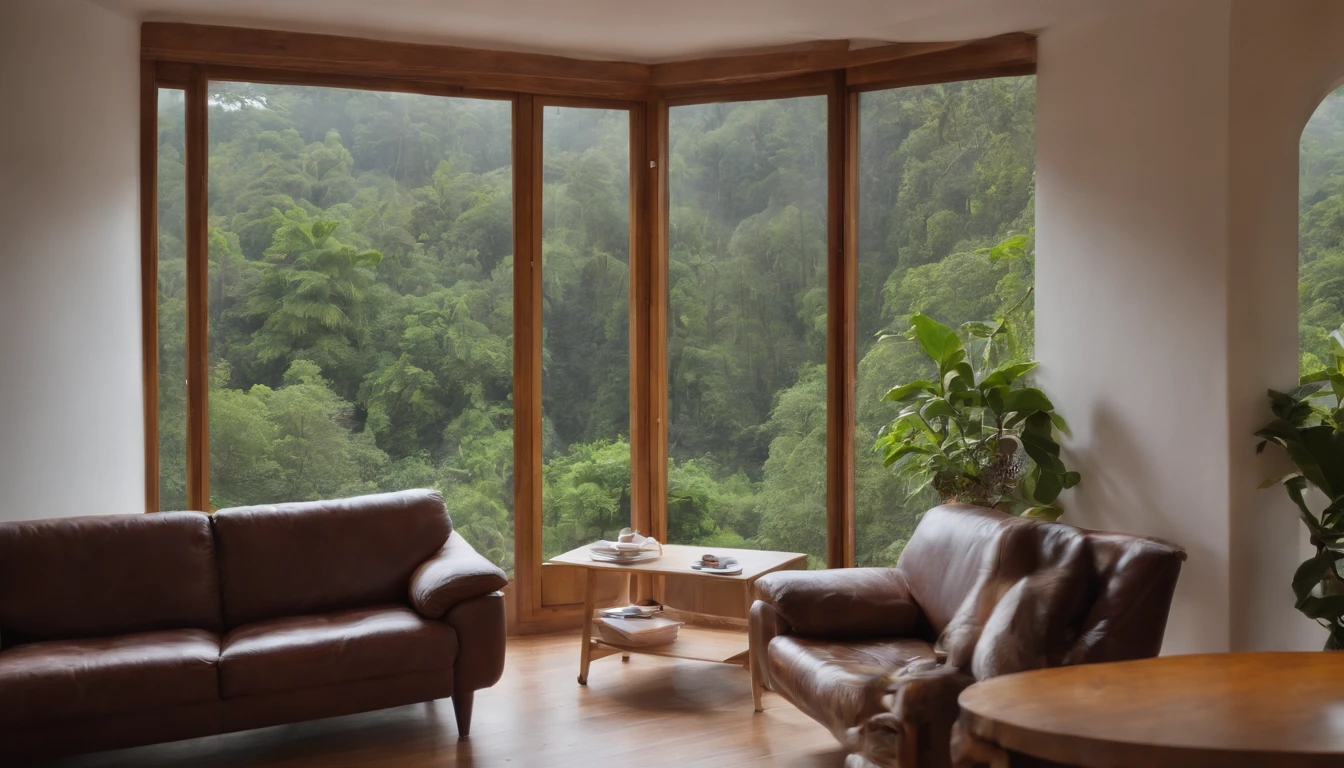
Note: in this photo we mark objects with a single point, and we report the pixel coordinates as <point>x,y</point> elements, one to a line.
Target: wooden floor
<point>650,711</point>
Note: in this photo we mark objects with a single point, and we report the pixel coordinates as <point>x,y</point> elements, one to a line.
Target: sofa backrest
<point>942,560</point>
<point>1029,594</point>
<point>106,575</point>
<point>1128,617</point>
<point>310,557</point>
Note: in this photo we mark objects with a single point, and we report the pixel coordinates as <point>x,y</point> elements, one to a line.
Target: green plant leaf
<point>937,341</point>
<point>1060,424</point>
<point>1329,607</point>
<point>981,330</point>
<point>1311,571</point>
<point>994,399</point>
<point>1006,374</point>
<point>1048,485</point>
<point>936,408</point>
<point>1273,481</point>
<point>902,452</point>
<point>959,377</point>
<point>1027,400</point>
<point>906,391</point>
<point>1043,513</point>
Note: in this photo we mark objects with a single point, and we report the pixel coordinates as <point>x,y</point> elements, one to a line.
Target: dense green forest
<point>360,311</point>
<point>1321,231</point>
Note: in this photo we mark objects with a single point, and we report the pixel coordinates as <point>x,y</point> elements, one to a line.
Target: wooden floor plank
<point>648,712</point>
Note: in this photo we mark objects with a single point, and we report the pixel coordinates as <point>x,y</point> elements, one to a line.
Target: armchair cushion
<point>455,574</point>
<point>834,682</point>
<point>842,603</point>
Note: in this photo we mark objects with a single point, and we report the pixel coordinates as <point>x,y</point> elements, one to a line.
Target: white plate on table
<point>625,558</point>
<point>731,570</point>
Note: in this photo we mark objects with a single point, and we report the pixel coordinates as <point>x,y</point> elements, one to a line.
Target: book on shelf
<point>657,630</point>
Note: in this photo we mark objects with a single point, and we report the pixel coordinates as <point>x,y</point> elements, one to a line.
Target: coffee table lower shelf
<point>722,646</point>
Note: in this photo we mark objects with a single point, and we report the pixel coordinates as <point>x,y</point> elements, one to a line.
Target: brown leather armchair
<point>879,655</point>
<point>120,630</point>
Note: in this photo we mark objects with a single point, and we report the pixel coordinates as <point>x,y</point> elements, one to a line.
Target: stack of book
<point>638,632</point>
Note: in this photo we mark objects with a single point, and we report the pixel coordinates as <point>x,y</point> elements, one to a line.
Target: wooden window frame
<point>189,56</point>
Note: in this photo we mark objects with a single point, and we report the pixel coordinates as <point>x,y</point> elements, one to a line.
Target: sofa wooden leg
<point>462,711</point>
<point>757,686</point>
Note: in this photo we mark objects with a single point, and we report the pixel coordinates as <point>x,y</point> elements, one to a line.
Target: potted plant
<point>978,439</point>
<point>1309,425</point>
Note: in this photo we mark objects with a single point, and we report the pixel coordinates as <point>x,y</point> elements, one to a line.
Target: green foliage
<point>1309,425</point>
<point>361,284</point>
<point>1321,232</point>
<point>977,437</point>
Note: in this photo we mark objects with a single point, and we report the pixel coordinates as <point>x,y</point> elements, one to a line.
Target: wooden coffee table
<point>1234,710</point>
<point>724,646</point>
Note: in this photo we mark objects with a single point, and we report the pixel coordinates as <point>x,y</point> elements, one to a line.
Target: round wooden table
<point>1234,710</point>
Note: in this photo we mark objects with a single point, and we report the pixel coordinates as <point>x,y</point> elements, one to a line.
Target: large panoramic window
<point>746,344</point>
<point>585,381</point>
<point>578,295</point>
<point>946,174</point>
<point>172,300</point>
<point>360,314</point>
<point>1321,233</point>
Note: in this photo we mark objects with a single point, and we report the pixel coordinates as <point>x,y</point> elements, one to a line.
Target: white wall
<point>71,429</point>
<point>1131,305</point>
<point>1285,58</point>
<point>1167,140</point>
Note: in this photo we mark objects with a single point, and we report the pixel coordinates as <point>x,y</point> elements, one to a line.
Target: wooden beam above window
<point>352,56</point>
<point>287,56</point>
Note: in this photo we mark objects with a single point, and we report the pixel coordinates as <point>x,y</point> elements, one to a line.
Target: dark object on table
<point>879,655</point>
<point>121,630</point>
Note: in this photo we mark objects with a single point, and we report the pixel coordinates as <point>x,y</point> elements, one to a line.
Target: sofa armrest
<point>457,573</point>
<point>913,712</point>
<point>842,603</point>
<point>480,627</point>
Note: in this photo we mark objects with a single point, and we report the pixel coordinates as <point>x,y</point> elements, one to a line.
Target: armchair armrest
<point>911,715</point>
<point>457,573</point>
<point>842,603</point>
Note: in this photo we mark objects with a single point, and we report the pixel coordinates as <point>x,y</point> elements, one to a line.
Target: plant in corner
<point>1309,424</point>
<point>982,440</point>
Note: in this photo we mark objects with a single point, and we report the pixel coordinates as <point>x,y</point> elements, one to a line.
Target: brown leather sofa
<point>122,630</point>
<point>879,655</point>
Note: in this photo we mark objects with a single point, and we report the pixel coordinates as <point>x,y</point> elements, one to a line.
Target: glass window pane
<point>1320,234</point>
<point>747,326</point>
<point>586,326</point>
<point>944,172</point>
<point>361,283</point>
<point>172,300</point>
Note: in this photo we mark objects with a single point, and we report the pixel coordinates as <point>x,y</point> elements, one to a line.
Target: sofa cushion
<point>59,680</point>
<point>321,556</point>
<point>299,652</point>
<point>946,554</point>
<point>830,681</point>
<point>107,575</point>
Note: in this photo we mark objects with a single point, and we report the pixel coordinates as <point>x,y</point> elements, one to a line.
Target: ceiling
<point>635,30</point>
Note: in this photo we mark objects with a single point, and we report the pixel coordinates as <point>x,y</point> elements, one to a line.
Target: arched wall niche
<point>1284,60</point>
<point>1167,285</point>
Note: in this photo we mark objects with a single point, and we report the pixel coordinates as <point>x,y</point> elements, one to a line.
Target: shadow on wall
<point>1120,477</point>
<point>1116,494</point>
